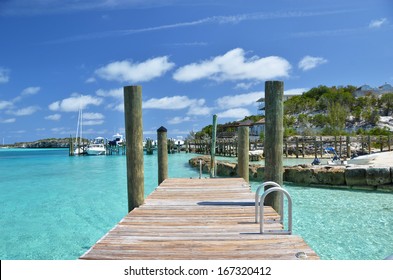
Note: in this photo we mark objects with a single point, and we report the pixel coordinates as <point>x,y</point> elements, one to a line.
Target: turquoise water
<point>56,207</point>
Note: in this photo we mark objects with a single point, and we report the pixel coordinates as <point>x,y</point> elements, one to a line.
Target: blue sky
<point>192,58</point>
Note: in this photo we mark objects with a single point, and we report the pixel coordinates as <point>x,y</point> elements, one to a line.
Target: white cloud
<point>117,93</point>
<point>12,120</point>
<point>195,106</point>
<point>234,113</point>
<point>191,44</point>
<point>54,117</point>
<point>37,7</point>
<point>295,91</point>
<point>126,71</point>
<point>30,90</point>
<point>5,104</point>
<point>27,111</point>
<point>234,66</point>
<point>199,110</point>
<point>246,86</point>
<point>93,122</point>
<point>172,103</point>
<point>4,75</point>
<point>26,92</point>
<point>117,107</point>
<point>310,62</point>
<point>177,120</point>
<point>234,101</point>
<point>93,116</point>
<point>377,23</point>
<point>90,80</point>
<point>74,103</point>
<point>231,19</point>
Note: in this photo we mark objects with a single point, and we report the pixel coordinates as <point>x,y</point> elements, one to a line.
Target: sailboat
<point>79,148</point>
<point>4,146</point>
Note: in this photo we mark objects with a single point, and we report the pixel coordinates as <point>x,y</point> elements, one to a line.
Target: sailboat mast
<point>77,129</point>
<point>81,134</point>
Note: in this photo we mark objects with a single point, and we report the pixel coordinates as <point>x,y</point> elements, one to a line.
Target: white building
<point>365,90</point>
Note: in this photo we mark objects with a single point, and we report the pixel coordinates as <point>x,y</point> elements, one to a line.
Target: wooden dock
<point>186,219</point>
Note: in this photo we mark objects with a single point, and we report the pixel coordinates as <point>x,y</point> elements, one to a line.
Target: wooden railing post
<point>162,154</point>
<point>243,153</point>
<point>134,136</point>
<point>348,147</point>
<point>213,148</point>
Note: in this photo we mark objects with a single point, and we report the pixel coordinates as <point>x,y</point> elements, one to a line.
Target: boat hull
<point>96,151</point>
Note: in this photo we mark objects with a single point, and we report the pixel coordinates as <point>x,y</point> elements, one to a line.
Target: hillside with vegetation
<point>330,111</point>
<point>44,143</point>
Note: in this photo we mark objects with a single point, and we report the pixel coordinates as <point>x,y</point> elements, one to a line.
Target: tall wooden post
<point>321,144</point>
<point>71,147</point>
<point>213,148</point>
<point>243,152</point>
<point>274,132</point>
<point>296,144</point>
<point>162,154</point>
<point>134,136</point>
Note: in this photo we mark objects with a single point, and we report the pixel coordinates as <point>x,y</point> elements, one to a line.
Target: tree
<point>336,117</point>
<point>387,103</point>
<point>191,135</point>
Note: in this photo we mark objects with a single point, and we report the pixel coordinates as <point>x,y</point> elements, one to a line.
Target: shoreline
<point>376,174</point>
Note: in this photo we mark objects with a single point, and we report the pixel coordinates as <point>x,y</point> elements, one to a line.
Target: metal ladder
<point>259,204</point>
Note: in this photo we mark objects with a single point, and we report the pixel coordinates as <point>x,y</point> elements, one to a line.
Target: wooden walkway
<point>197,219</point>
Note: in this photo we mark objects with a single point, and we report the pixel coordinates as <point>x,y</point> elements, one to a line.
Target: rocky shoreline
<point>348,177</point>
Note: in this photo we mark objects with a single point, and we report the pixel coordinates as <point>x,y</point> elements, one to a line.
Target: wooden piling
<point>296,145</point>
<point>134,136</point>
<point>162,154</point>
<point>274,132</point>
<point>243,153</point>
<point>213,148</point>
<point>71,147</point>
<point>149,147</point>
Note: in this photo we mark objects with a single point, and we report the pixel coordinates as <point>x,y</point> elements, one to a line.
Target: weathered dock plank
<point>198,219</point>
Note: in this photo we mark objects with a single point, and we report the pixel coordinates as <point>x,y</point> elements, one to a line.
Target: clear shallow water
<point>343,224</point>
<point>56,207</point>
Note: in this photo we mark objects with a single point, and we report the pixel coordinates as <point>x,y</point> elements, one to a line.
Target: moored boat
<point>97,147</point>
<point>117,140</point>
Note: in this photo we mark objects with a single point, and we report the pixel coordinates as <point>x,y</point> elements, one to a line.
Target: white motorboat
<point>97,147</point>
<point>365,159</point>
<point>334,157</point>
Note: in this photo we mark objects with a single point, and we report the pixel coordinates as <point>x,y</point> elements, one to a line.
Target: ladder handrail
<point>257,204</point>
<point>279,189</point>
